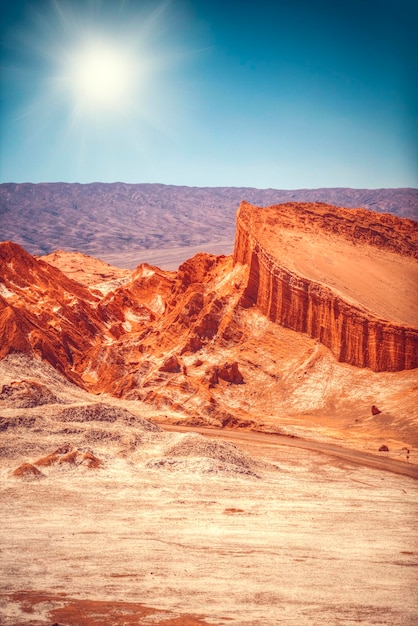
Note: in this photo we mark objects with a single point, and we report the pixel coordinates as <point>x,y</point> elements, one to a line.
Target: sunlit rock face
<point>44,312</point>
<point>226,340</point>
<point>344,277</point>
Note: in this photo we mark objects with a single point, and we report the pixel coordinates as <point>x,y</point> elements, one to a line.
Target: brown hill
<point>190,344</point>
<point>87,270</point>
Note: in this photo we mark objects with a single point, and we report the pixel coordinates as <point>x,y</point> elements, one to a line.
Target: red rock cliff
<point>344,277</point>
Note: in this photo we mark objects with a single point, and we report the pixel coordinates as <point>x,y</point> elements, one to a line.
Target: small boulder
<point>228,372</point>
<point>213,377</point>
<point>70,458</point>
<point>231,373</point>
<point>171,365</point>
<point>48,460</point>
<point>91,460</point>
<point>383,449</point>
<point>375,410</point>
<point>28,471</point>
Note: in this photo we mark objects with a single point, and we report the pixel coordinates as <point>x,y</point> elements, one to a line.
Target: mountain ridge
<point>126,224</point>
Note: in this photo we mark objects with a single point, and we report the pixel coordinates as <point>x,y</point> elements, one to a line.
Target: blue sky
<point>281,94</point>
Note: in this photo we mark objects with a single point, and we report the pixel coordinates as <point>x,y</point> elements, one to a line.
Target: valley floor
<point>304,539</point>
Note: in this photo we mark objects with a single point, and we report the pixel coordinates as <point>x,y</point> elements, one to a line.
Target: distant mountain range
<point>126,224</point>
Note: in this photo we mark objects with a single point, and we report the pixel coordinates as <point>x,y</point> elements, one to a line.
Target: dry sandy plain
<point>178,529</point>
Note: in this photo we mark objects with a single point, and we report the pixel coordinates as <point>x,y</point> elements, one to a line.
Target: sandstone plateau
<point>343,277</point>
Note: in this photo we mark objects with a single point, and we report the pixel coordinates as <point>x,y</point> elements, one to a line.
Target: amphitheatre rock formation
<point>346,278</point>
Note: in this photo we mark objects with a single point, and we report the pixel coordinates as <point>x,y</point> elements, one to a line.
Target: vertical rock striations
<point>294,298</point>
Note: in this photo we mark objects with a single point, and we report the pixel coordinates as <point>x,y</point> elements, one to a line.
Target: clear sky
<point>262,93</point>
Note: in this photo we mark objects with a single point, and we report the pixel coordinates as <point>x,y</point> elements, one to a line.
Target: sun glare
<point>95,70</point>
<point>102,77</point>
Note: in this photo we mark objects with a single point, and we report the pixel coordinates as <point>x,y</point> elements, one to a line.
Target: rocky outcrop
<point>25,394</point>
<point>354,334</point>
<point>28,471</point>
<point>43,312</point>
<point>47,314</point>
<point>229,372</point>
<point>171,365</point>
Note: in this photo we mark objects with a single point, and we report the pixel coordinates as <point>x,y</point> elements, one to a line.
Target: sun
<point>99,69</point>
<point>102,76</point>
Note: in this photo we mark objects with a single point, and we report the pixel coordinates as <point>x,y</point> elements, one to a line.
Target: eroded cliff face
<point>293,296</point>
<point>182,342</point>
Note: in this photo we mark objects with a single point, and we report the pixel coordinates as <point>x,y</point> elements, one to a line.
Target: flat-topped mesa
<point>346,277</point>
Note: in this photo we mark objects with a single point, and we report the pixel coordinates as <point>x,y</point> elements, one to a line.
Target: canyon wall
<point>352,333</point>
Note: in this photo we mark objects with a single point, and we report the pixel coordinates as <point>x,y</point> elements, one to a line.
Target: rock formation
<point>65,455</point>
<point>297,295</point>
<point>228,372</point>
<point>271,316</point>
<point>44,312</point>
<point>25,394</point>
<point>171,365</point>
<point>28,471</point>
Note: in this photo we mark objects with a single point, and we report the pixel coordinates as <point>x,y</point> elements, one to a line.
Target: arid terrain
<point>235,442</point>
<point>114,521</point>
<point>162,225</point>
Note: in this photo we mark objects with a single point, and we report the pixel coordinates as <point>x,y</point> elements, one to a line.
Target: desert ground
<point>178,528</point>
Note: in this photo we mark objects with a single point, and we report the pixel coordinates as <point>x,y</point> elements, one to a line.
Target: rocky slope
<point>188,344</point>
<point>126,224</point>
<point>44,312</point>
<point>378,328</point>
